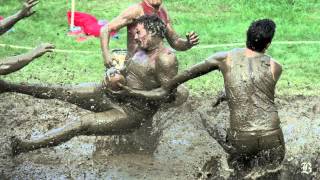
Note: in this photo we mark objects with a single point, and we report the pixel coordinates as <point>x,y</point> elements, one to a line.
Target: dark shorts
<point>256,147</point>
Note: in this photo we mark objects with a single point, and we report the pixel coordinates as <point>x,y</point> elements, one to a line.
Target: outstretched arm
<point>124,19</point>
<point>179,43</point>
<point>15,63</point>
<point>212,63</point>
<point>170,81</point>
<point>25,11</point>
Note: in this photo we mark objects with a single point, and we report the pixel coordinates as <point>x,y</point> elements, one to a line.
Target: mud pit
<point>174,145</point>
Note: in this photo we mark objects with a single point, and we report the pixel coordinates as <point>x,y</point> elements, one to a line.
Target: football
<point>113,81</point>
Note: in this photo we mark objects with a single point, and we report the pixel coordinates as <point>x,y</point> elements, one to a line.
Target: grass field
<point>216,21</point>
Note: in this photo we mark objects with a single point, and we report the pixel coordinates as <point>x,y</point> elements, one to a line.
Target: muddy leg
<point>88,96</point>
<point>106,123</point>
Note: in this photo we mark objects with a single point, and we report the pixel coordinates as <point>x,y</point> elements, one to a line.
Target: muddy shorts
<point>257,147</point>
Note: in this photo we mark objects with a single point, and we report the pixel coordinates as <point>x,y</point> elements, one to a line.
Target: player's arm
<point>169,81</point>
<point>12,64</point>
<point>124,19</point>
<point>25,11</point>
<point>178,43</point>
<point>211,63</point>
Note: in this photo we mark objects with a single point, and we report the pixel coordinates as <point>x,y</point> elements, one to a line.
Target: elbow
<point>106,30</point>
<point>5,70</point>
<point>103,31</point>
<point>179,47</point>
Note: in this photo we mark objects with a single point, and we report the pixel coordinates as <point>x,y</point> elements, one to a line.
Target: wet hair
<point>260,34</point>
<point>153,24</point>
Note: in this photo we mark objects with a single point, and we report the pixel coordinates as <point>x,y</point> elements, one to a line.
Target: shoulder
<point>220,56</point>
<point>235,54</point>
<point>136,7</point>
<point>276,69</point>
<point>275,66</point>
<point>125,18</point>
<point>237,51</point>
<point>273,62</point>
<point>133,11</point>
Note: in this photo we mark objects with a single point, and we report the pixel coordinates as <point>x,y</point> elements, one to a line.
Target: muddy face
<point>142,37</point>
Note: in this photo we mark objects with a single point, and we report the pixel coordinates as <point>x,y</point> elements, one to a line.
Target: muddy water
<point>174,145</point>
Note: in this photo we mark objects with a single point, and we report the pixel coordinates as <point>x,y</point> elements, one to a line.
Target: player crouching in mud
<point>254,139</point>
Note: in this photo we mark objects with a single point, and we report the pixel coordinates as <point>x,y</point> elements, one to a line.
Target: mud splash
<point>174,145</point>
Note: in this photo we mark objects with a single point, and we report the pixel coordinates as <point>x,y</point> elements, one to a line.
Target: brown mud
<point>174,145</point>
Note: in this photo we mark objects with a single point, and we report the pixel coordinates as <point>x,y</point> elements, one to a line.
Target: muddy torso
<point>250,89</point>
<point>146,10</point>
<point>141,74</point>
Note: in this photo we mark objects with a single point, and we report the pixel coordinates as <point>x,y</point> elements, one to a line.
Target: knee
<point>182,94</point>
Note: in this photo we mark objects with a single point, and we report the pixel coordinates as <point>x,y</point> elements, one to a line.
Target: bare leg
<point>88,96</point>
<point>105,123</point>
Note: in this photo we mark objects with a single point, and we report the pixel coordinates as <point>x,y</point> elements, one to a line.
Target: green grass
<point>216,21</point>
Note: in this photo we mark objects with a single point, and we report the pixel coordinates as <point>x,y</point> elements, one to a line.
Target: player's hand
<point>111,71</point>
<point>192,38</point>
<point>125,88</point>
<point>43,48</point>
<point>27,6</point>
<point>114,93</point>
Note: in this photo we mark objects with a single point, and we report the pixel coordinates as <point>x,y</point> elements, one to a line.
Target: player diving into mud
<point>112,112</point>
<point>15,63</point>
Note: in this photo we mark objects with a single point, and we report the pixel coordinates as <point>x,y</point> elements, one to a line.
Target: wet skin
<point>11,64</point>
<point>250,79</point>
<point>25,11</point>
